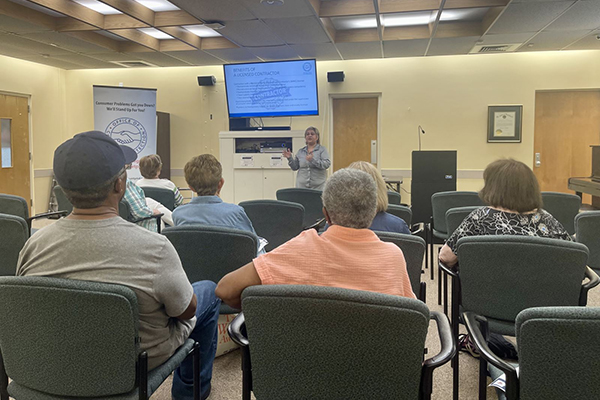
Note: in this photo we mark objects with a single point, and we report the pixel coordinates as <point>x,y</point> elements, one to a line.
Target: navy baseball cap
<point>89,159</point>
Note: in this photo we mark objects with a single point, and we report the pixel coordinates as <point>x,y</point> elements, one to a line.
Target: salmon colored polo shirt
<point>341,257</point>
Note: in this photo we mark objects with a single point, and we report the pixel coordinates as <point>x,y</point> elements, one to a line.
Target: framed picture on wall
<point>504,124</point>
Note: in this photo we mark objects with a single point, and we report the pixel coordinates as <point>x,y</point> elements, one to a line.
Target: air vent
<point>494,48</point>
<point>133,64</point>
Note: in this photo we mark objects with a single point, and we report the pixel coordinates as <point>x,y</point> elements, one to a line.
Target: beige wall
<point>448,96</point>
<point>45,86</point>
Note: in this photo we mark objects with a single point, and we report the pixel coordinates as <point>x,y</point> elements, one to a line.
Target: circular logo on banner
<point>307,66</point>
<point>128,132</point>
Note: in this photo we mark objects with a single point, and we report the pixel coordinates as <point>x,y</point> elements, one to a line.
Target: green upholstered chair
<point>14,232</point>
<point>587,228</point>
<point>165,197</point>
<point>499,276</point>
<point>71,339</point>
<point>310,200</point>
<point>313,342</point>
<point>275,220</point>
<point>413,248</point>
<point>211,252</point>
<point>16,205</point>
<point>558,353</point>
<point>564,207</point>
<point>437,230</point>
<point>394,197</point>
<point>403,212</point>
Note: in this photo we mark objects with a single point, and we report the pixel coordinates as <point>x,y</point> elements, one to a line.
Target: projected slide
<point>272,89</point>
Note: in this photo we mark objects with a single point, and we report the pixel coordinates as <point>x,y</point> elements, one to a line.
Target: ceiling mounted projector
<point>271,2</point>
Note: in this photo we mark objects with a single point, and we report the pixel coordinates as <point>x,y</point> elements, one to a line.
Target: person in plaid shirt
<point>135,197</point>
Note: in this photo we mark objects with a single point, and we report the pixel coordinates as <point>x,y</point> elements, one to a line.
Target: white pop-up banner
<point>128,115</point>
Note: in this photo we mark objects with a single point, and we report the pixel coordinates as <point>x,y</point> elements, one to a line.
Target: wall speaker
<point>206,80</point>
<point>337,76</point>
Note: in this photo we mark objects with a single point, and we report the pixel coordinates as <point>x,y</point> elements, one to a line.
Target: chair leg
<point>454,321</point>
<point>3,381</point>
<point>246,374</point>
<point>445,277</point>
<point>439,281</point>
<point>196,369</point>
<point>483,365</point>
<point>143,376</point>
<point>432,269</point>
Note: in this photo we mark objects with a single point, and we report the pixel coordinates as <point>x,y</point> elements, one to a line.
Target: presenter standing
<point>311,162</point>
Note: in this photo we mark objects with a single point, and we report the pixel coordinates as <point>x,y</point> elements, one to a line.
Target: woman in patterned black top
<point>515,208</point>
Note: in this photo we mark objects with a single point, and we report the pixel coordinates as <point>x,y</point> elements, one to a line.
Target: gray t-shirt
<point>116,251</point>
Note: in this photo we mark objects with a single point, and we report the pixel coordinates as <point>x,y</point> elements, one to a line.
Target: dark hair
<point>510,184</point>
<point>150,166</point>
<point>93,196</point>
<point>203,174</point>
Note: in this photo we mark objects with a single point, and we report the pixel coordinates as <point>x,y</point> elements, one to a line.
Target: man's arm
<point>190,311</point>
<point>230,288</point>
<point>137,202</point>
<point>447,256</point>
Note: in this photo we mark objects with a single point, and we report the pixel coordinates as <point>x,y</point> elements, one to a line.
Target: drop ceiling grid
<point>355,51</point>
<point>234,55</point>
<point>451,46</point>
<point>302,30</point>
<point>291,9</point>
<point>545,41</point>
<point>215,10</point>
<point>274,53</point>
<point>251,33</point>
<point>528,17</point>
<point>321,52</point>
<point>65,41</point>
<point>197,57</point>
<point>13,25</point>
<point>583,15</point>
<point>404,48</point>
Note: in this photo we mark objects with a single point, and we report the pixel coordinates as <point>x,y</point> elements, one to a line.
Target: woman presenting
<point>311,162</point>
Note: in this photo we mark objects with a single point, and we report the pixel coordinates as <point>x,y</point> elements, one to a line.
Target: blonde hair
<point>150,166</point>
<point>203,174</point>
<point>382,195</point>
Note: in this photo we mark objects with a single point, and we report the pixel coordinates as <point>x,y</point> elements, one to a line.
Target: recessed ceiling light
<point>98,7</point>
<point>344,23</point>
<point>408,19</point>
<point>158,5</point>
<point>155,33</point>
<point>202,31</point>
<point>271,2</point>
<point>467,14</point>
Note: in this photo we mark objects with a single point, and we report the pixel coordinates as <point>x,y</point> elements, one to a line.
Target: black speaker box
<point>335,76</point>
<point>206,80</point>
<point>239,124</point>
<point>432,172</point>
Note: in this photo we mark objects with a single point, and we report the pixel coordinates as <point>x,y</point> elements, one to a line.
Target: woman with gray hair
<point>311,161</point>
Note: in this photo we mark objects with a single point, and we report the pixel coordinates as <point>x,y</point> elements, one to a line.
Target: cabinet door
<point>248,184</point>
<point>275,179</point>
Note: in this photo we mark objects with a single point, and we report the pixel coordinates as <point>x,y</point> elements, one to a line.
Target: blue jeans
<point>205,333</point>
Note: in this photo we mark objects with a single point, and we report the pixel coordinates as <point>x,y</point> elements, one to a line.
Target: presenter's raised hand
<point>287,153</point>
<point>309,157</point>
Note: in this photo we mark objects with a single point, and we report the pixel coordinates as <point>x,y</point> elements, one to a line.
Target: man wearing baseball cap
<point>93,243</point>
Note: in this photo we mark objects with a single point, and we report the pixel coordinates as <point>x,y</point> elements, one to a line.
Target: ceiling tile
<point>404,48</point>
<point>590,42</point>
<point>274,53</point>
<point>528,17</point>
<point>234,55</point>
<point>321,52</point>
<point>506,38</point>
<point>114,56</point>
<point>553,40</point>
<point>215,10</point>
<point>33,46</point>
<point>197,57</point>
<point>85,62</point>
<point>583,15</point>
<point>250,33</point>
<point>299,30</point>
<point>36,7</point>
<point>291,8</point>
<point>450,46</point>
<point>14,51</point>
<point>53,62</point>
<point>355,51</point>
<point>65,41</point>
<point>161,59</point>
<point>14,25</point>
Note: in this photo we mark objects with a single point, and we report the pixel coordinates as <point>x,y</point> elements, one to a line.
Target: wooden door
<point>566,124</point>
<point>14,140</point>
<point>354,127</point>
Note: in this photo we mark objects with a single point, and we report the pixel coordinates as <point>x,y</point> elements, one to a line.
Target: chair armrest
<point>317,225</point>
<point>446,353</point>
<point>418,231</point>
<point>594,280</point>
<point>448,270</point>
<point>237,330</point>
<point>155,216</point>
<point>472,321</point>
<point>49,214</point>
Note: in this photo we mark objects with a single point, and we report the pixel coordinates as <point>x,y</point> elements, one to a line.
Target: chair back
<point>69,338</point>
<point>13,235</point>
<point>587,228</point>
<point>455,216</point>
<point>164,196</point>
<point>310,200</point>
<point>394,197</point>
<point>63,203</point>
<point>564,207</point>
<point>403,212</point>
<point>558,353</point>
<point>413,248</point>
<point>275,220</point>
<point>211,252</point>
<point>502,275</point>
<point>14,205</point>
<point>443,201</point>
<point>309,342</point>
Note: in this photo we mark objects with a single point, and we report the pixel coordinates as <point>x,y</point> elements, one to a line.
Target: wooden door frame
<point>378,96</point>
<point>31,172</point>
